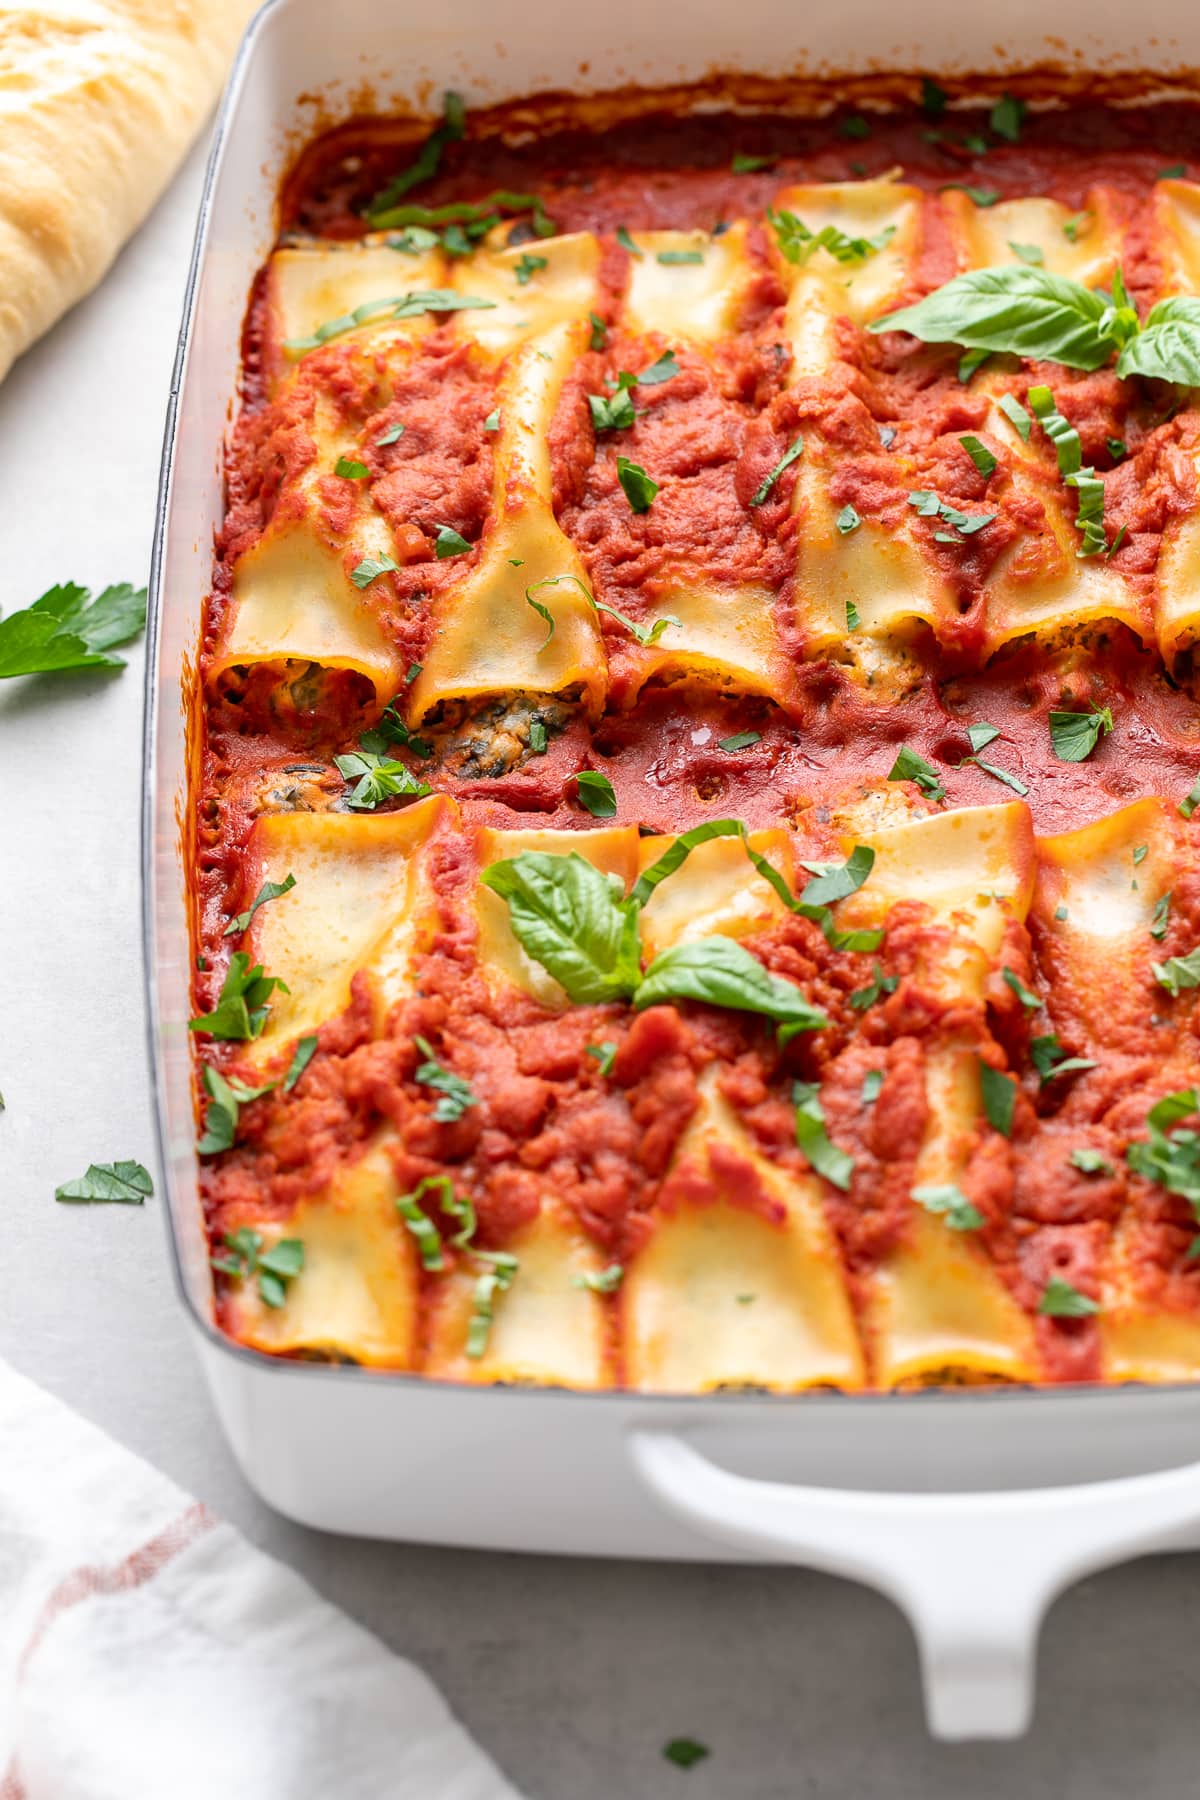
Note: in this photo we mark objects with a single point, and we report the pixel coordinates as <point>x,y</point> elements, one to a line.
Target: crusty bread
<point>99,99</point>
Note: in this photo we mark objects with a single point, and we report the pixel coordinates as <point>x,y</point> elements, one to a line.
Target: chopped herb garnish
<point>848,520</point>
<point>949,1201</point>
<point>1062,1301</point>
<point>226,1097</point>
<point>881,984</point>
<point>1178,972</point>
<point>853,617</point>
<point>665,368</point>
<point>1117,448</point>
<point>450,542</point>
<point>527,266</point>
<point>613,412</point>
<point>627,243</point>
<point>270,890</point>
<point>429,157</point>
<point>980,195</point>
<point>1076,734</point>
<point>855,127</point>
<point>685,1753</point>
<point>596,793</point>
<point>639,488</point>
<point>390,436</point>
<point>1173,172</point>
<point>411,673</point>
<point>125,1183</point>
<point>379,778</point>
<point>751,165</point>
<point>971,363</point>
<point>454,1094</point>
<point>396,306</point>
<point>600,1281</point>
<point>352,470</point>
<point>676,258</point>
<point>1190,802</point>
<point>422,1227</point>
<point>1028,253</point>
<point>999,1094</point>
<point>794,450</point>
<point>1015,413</point>
<point>812,1137</point>
<point>1050,1059</point>
<point>537,738</point>
<point>605,1055</point>
<point>241,1009</point>
<point>797,242</point>
<point>276,1268</point>
<point>1028,1000</point>
<point>872,1086</point>
<point>1162,917</point>
<point>1007,117</point>
<point>646,635</point>
<point>1170,1155</point>
<point>1090,1162</point>
<point>741,740</point>
<point>980,455</point>
<point>370,567</point>
<point>599,337</point>
<point>1060,913</point>
<point>497,1278</point>
<point>492,422</point>
<point>981,734</point>
<point>933,97</point>
<point>928,506</point>
<point>1010,781</point>
<point>303,1055</point>
<point>908,766</point>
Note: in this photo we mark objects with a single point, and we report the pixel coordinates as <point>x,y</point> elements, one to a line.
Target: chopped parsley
<point>527,266</point>
<point>1190,802</point>
<point>854,127</point>
<point>67,629</point>
<point>450,543</point>
<point>880,985</point>
<point>1007,118</point>
<point>1050,1059</point>
<point>241,1009</point>
<point>379,778</point>
<point>639,488</point>
<point>492,422</point>
<point>599,337</point>
<point>627,243</point>
<point>853,617</point>
<point>1162,916</point>
<point>370,567</point>
<point>1028,1000</point>
<point>276,1268</point>
<point>537,738</point>
<point>226,1097</point>
<point>981,196</point>
<point>1170,1155</point>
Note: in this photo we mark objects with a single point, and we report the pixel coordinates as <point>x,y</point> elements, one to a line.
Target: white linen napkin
<point>147,1650</point>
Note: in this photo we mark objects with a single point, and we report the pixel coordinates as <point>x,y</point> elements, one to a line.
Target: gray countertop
<point>572,1674</point>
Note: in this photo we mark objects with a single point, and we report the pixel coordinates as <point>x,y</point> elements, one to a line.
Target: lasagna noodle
<point>488,637</point>
<point>686,284</point>
<point>562,292</point>
<point>716,891</point>
<point>987,237</point>
<point>319,284</point>
<point>361,903</point>
<point>725,1294</point>
<point>357,1297</point>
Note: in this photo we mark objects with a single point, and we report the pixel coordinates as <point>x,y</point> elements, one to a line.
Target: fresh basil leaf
<point>1178,972</point>
<point>980,455</point>
<point>612,413</point>
<point>797,243</point>
<point>794,450</point>
<point>454,1094</point>
<point>1060,431</point>
<point>976,144</point>
<point>125,1183</point>
<point>882,984</point>
<point>837,881</point>
<point>1029,1001</point>
<point>1075,735</point>
<point>751,165</point>
<point>677,853</point>
<point>393,730</point>
<point>1050,1059</point>
<point>1015,413</point>
<point>835,1164</point>
<point>1090,1162</point>
<point>1007,118</point>
<point>605,1055</point>
<point>417,1220</point>
<point>390,436</point>
<point>599,337</point>
<point>241,1009</point>
<point>537,738</point>
<point>397,306</point>
<point>1168,346</point>
<point>1062,1301</point>
<point>1117,448</point>
<point>573,920</point>
<point>450,543</point>
<point>350,469</point>
<point>304,1052</point>
<point>741,740</point>
<point>1162,917</point>
<point>370,567</point>
<point>848,520</point>
<point>67,629</point>
<point>1015,309</point>
<point>908,766</point>
<point>933,97</point>
<point>951,1204</point>
<point>428,159</point>
<point>1028,253</point>
<point>853,618</point>
<point>639,488</point>
<point>270,890</point>
<point>999,1093</point>
<point>221,1116</point>
<point>1077,226</point>
<point>970,363</point>
<point>627,243</point>
<point>601,1281</point>
<point>719,972</point>
<point>596,793</point>
<point>646,635</point>
<point>1190,802</point>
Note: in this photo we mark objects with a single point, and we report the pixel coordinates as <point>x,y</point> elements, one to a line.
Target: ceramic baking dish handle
<point>973,1572</point>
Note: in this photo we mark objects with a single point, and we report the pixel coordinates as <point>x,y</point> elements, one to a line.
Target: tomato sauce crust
<point>544,1107</point>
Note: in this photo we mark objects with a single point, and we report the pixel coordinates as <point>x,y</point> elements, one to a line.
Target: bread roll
<point>99,99</point>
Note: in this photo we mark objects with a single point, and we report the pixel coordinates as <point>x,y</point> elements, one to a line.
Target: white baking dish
<point>971,1509</point>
